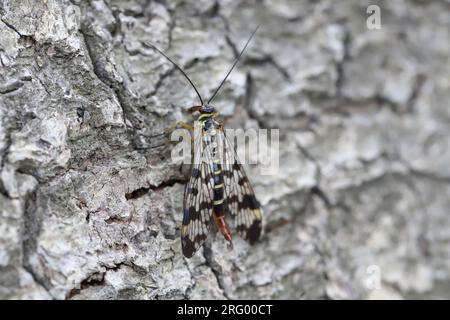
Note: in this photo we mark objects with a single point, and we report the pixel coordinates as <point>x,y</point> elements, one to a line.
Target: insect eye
<point>207,109</point>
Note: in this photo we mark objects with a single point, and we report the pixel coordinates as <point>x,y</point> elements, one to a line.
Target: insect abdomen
<point>218,190</point>
<point>218,193</point>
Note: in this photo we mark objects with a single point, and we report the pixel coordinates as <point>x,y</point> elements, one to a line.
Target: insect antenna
<point>148,44</point>
<point>234,64</point>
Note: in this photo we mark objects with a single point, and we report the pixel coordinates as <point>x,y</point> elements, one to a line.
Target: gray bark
<point>88,211</point>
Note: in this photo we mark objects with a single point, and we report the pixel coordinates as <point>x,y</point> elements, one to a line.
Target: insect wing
<point>198,201</point>
<point>240,197</point>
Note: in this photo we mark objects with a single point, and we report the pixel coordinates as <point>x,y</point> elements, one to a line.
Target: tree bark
<point>359,206</point>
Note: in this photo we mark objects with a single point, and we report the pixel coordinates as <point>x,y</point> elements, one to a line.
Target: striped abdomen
<point>218,203</point>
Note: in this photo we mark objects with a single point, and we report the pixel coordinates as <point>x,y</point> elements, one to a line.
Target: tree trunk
<point>91,207</point>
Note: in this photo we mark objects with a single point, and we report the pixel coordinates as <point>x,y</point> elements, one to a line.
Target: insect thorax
<point>206,118</point>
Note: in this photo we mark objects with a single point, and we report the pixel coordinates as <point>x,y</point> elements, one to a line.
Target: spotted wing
<point>240,197</point>
<point>198,202</point>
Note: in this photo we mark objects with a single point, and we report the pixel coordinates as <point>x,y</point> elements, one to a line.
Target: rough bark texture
<point>87,211</point>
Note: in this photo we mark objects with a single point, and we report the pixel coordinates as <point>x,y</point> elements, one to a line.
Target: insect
<point>218,183</point>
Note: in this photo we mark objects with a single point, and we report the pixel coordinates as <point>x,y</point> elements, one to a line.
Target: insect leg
<point>176,125</point>
<point>194,109</point>
<point>166,132</point>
